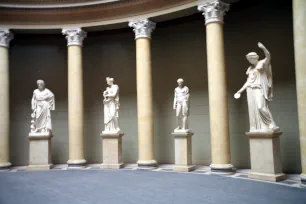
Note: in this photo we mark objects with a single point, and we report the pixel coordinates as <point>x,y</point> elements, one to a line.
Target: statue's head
<point>252,57</point>
<point>109,81</point>
<point>41,84</point>
<point>180,82</point>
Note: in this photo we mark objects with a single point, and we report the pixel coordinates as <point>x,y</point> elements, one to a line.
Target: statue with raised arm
<point>259,91</point>
<point>181,106</point>
<point>111,107</point>
<point>42,104</point>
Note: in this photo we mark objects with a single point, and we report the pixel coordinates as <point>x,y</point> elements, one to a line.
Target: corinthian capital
<point>5,37</point>
<point>142,28</point>
<point>74,36</point>
<point>213,11</point>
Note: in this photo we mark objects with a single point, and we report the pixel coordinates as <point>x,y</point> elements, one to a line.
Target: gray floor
<point>141,187</point>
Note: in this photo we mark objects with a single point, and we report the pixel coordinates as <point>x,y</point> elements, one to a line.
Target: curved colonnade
<point>213,12</point>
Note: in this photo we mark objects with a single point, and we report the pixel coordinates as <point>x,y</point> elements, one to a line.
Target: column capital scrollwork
<point>214,11</point>
<point>74,36</point>
<point>142,28</point>
<point>5,37</point>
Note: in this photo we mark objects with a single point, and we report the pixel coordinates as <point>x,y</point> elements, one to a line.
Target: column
<point>219,130</point>
<point>143,30</point>
<point>5,37</point>
<point>75,37</point>
<point>299,22</point>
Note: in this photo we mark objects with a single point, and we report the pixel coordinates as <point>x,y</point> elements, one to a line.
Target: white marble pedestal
<point>40,151</point>
<point>112,150</point>
<point>183,151</point>
<point>265,156</point>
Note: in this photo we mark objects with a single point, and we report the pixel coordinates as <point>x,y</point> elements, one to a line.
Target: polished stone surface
<point>183,151</point>
<point>112,151</point>
<point>138,186</point>
<point>40,151</point>
<point>265,156</point>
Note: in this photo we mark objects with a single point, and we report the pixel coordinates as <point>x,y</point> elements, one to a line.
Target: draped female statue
<point>259,91</point>
<point>42,104</point>
<point>111,107</point>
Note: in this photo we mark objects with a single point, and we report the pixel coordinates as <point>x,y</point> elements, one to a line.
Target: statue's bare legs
<point>185,123</point>
<point>178,117</point>
<point>178,122</point>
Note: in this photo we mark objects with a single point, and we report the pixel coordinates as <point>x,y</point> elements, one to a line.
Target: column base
<point>184,168</point>
<point>5,165</point>
<point>267,177</point>
<point>112,166</point>
<point>147,163</point>
<point>303,180</point>
<point>222,169</point>
<point>39,167</point>
<point>76,164</point>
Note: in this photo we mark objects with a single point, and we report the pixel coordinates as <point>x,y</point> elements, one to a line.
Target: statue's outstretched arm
<point>244,87</point>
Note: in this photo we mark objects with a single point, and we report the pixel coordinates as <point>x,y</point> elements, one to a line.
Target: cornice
<point>52,4</point>
<point>91,15</point>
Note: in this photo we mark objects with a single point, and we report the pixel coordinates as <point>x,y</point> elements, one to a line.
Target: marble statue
<point>111,107</point>
<point>42,104</point>
<point>181,106</point>
<point>259,92</point>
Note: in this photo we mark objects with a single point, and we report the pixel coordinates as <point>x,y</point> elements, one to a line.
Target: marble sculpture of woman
<point>259,92</point>
<point>111,107</point>
<point>42,104</point>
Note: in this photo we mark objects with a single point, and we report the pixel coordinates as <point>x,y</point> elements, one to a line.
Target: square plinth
<point>265,156</point>
<point>40,151</point>
<point>183,151</point>
<point>267,177</point>
<point>184,168</point>
<point>112,150</point>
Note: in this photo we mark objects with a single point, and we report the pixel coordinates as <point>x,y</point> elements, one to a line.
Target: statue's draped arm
<point>52,102</point>
<point>187,94</point>
<point>33,102</point>
<point>114,93</point>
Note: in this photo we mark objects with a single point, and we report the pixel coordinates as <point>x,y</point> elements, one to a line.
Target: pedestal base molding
<point>112,150</point>
<point>267,177</point>
<point>183,151</point>
<point>265,156</point>
<point>40,151</point>
<point>184,168</point>
<point>112,166</point>
<point>39,167</point>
